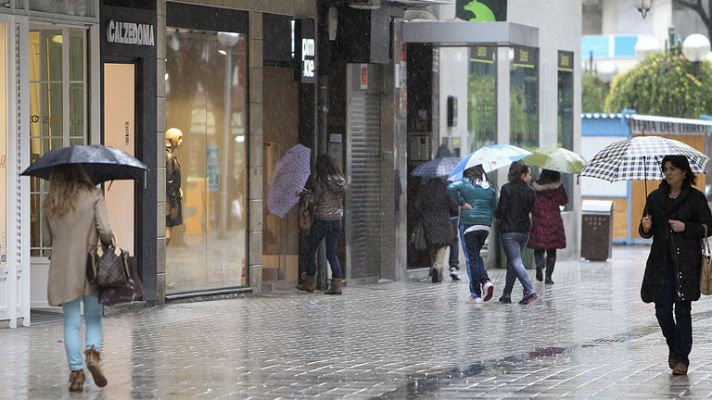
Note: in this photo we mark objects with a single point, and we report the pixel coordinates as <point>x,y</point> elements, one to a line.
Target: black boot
<point>539,269</point>
<point>549,270</point>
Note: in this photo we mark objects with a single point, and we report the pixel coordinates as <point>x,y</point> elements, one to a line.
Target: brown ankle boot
<point>335,287</point>
<point>76,381</point>
<point>307,284</point>
<point>94,366</point>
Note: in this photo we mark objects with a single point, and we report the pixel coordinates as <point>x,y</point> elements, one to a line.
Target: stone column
<point>161,155</point>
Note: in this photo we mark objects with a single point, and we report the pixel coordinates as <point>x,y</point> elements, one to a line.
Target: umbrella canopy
<point>101,163</point>
<point>436,167</point>
<point>640,158</point>
<point>558,159</point>
<point>290,174</point>
<point>491,157</point>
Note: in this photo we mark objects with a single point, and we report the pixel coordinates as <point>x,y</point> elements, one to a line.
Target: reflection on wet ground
<point>589,336</point>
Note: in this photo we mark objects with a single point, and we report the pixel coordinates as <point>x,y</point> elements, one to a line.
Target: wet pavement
<point>588,336</point>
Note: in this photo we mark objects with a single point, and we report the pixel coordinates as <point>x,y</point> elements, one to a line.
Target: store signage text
<point>130,33</point>
<point>308,66</point>
<point>639,127</point>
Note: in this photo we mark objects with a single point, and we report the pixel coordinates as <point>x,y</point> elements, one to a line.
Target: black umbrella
<point>101,163</point>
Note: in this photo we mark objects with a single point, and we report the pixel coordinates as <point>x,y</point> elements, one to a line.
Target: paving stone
<point>588,336</point>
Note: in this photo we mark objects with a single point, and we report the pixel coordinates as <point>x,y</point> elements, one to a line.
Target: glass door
<point>58,105</point>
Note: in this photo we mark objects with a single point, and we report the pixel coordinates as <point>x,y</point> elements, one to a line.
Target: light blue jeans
<point>513,243</point>
<point>72,327</point>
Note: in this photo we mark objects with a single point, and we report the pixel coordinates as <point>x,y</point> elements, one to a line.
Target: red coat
<point>547,226</point>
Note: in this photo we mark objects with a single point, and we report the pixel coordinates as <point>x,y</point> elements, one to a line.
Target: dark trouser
<point>476,267</point>
<point>550,260</point>
<point>324,229</point>
<point>454,260</point>
<point>678,331</point>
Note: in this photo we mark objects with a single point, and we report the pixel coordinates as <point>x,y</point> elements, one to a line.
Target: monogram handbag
<point>131,291</point>
<point>109,268</point>
<point>706,267</point>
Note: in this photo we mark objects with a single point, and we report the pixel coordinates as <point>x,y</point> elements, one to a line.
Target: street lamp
<point>696,48</point>
<point>643,6</point>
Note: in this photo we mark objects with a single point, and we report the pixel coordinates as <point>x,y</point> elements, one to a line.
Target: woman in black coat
<point>675,217</point>
<point>436,205</point>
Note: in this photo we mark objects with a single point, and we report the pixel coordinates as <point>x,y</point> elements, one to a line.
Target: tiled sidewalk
<point>589,336</point>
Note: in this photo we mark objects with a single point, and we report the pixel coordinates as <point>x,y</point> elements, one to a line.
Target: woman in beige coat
<point>75,219</point>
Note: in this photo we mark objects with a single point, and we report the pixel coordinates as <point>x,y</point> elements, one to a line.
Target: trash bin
<point>596,230</point>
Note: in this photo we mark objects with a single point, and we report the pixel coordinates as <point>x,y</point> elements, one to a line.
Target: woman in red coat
<point>547,232</point>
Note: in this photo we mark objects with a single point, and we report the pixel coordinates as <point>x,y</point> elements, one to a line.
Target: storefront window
<point>524,97</point>
<point>566,112</point>
<point>58,87</point>
<point>482,97</point>
<point>3,145</point>
<point>206,102</point>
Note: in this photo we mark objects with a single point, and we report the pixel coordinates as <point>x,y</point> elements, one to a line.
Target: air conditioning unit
<point>365,4</point>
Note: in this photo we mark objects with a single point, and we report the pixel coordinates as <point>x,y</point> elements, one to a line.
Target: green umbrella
<point>558,159</point>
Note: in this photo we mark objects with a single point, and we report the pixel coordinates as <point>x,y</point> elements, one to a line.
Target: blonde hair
<point>65,182</point>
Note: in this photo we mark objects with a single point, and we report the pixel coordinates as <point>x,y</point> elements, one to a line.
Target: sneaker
<point>489,289</point>
<point>470,299</point>
<point>453,275</point>
<point>505,300</point>
<point>528,298</point>
<point>477,300</point>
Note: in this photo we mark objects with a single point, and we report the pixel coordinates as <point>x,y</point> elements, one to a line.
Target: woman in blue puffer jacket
<point>477,200</point>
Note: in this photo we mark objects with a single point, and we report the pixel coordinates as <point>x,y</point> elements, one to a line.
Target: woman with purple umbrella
<point>326,191</point>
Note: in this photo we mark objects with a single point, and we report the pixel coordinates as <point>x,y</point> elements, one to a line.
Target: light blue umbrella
<point>490,157</point>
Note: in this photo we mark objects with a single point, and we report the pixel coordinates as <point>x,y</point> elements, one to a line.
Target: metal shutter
<point>365,191</point>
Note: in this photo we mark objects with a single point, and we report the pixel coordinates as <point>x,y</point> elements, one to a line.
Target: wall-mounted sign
<point>648,127</point>
<point>308,63</point>
<point>363,76</point>
<point>481,10</point>
<point>304,51</point>
<point>130,33</point>
<point>525,57</point>
<point>566,61</point>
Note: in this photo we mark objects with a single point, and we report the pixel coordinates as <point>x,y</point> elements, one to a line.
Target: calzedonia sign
<point>130,33</point>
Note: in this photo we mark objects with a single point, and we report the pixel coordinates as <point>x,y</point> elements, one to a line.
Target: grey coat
<point>71,237</point>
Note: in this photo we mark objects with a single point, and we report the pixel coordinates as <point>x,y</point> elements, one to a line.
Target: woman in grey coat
<point>75,218</point>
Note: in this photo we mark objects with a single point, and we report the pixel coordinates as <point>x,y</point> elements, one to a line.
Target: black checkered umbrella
<point>639,158</point>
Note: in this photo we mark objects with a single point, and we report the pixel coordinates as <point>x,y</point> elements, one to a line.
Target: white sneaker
<point>475,300</point>
<point>478,300</point>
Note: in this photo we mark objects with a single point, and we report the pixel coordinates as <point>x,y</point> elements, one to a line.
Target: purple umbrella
<point>290,174</point>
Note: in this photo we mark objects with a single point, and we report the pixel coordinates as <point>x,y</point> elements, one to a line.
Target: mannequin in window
<point>174,194</point>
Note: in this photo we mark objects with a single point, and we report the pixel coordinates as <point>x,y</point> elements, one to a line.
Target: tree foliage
<point>594,92</point>
<point>663,84</point>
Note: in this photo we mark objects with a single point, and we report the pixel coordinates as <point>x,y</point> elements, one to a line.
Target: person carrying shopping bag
<point>326,191</point>
<point>515,203</point>
<point>477,200</point>
<point>75,219</point>
<point>547,233</point>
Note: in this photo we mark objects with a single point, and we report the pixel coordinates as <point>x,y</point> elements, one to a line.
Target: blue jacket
<point>483,202</point>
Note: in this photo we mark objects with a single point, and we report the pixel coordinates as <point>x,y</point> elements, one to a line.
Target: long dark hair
<point>682,163</point>
<point>548,176</point>
<point>326,166</point>
<point>516,170</point>
<point>474,173</point>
